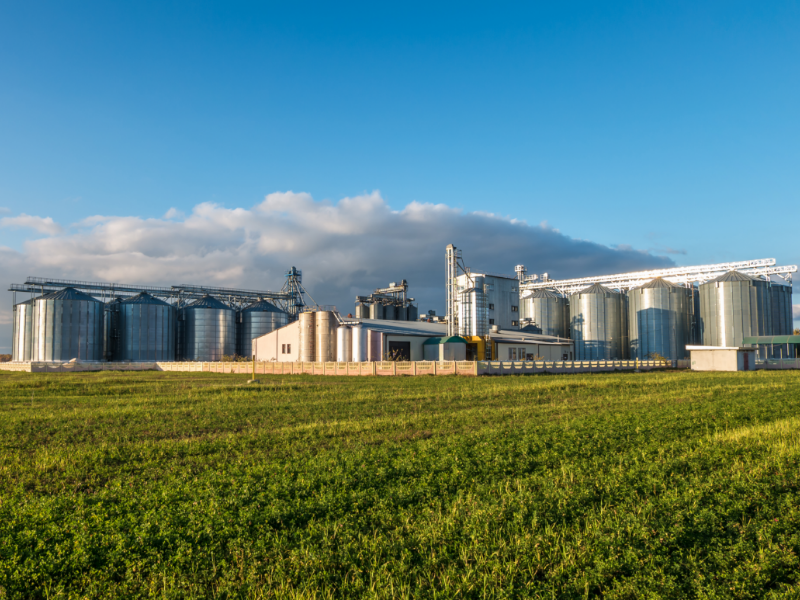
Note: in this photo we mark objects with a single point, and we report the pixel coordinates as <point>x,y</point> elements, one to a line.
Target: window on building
<point>515,323</point>
<point>491,321</point>
<point>288,348</point>
<point>283,348</point>
<point>514,308</point>
<point>512,354</point>
<point>521,353</point>
<point>491,307</point>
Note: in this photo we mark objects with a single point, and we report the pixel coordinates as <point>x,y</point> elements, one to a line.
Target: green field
<point>172,485</point>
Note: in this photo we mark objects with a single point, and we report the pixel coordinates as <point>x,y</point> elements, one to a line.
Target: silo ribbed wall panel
<point>732,307</point>
<point>659,322</point>
<point>147,332</point>
<point>22,337</point>
<point>209,333</point>
<point>307,324</point>
<point>782,320</point>
<point>359,338</point>
<point>255,323</point>
<point>325,345</point>
<point>413,312</point>
<point>549,314</point>
<point>376,311</point>
<point>597,322</point>
<point>67,329</point>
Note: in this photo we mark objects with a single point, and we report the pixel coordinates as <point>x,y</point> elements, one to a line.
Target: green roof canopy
<point>772,339</point>
<point>453,339</point>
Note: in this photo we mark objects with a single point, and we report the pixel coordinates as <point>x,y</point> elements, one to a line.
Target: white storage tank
<point>325,343</point>
<point>732,307</point>
<point>22,334</point>
<point>359,337</point>
<point>344,344</point>
<point>599,324</point>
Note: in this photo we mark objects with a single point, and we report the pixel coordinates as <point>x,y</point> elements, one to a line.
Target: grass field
<point>670,484</point>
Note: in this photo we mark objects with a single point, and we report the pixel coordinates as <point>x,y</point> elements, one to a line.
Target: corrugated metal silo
<point>344,344</point>
<point>376,311</point>
<point>659,320</point>
<point>22,335</point>
<point>67,324</point>
<point>732,307</point>
<point>390,312</point>
<point>413,312</point>
<point>549,311</point>
<point>599,324</point>
<point>308,334</point>
<point>256,320</point>
<point>362,310</point>
<point>326,326</point>
<point>359,336</point>
<point>111,331</point>
<point>401,313</point>
<point>146,329</point>
<point>209,330</point>
<point>782,319</point>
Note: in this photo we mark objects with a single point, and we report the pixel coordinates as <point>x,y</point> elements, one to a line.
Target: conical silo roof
<point>732,276</point>
<point>543,294</point>
<point>145,298</point>
<point>598,289</point>
<point>658,283</point>
<point>208,301</point>
<point>68,293</point>
<point>262,306</point>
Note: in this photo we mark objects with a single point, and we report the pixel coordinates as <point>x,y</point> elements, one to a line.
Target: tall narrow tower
<point>452,256</point>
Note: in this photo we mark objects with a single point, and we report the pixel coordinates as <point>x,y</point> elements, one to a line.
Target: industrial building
<point>644,315</point>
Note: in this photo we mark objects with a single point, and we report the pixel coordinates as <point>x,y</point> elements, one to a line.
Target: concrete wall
<point>723,359</point>
<point>546,351</point>
<point>269,347</point>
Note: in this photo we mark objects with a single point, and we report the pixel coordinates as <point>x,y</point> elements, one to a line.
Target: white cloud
<point>40,224</point>
<point>344,248</point>
<point>796,312</point>
<point>4,210</point>
<point>174,213</point>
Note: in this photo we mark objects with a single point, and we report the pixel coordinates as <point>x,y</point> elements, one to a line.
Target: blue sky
<point>669,129</point>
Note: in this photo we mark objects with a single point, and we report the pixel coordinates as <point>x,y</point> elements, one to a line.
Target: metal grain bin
<point>401,313</point>
<point>412,312</point>
<point>147,329</point>
<point>67,324</point>
<point>325,343</point>
<point>732,307</point>
<point>209,330</point>
<point>362,310</point>
<point>376,311</point>
<point>111,331</point>
<point>308,334</point>
<point>599,324</point>
<point>22,331</point>
<point>390,312</point>
<point>256,320</point>
<point>659,320</point>
<point>782,319</point>
<point>359,336</point>
<point>344,344</point>
<point>548,311</point>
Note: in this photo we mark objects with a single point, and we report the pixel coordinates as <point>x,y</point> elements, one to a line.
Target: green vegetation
<point>669,484</point>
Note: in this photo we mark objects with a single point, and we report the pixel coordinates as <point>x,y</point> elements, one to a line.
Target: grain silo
<point>209,330</point>
<point>111,329</point>
<point>362,310</point>
<point>659,320</point>
<point>359,336</point>
<point>255,320</point>
<point>147,330</point>
<point>344,344</point>
<point>412,312</point>
<point>599,324</point>
<point>782,319</point>
<point>732,307</point>
<point>308,334</point>
<point>548,311</point>
<point>22,334</point>
<point>67,325</point>
<point>376,311</point>
<point>325,339</point>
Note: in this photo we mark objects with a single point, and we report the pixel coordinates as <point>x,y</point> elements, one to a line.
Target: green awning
<point>772,339</point>
<point>453,339</point>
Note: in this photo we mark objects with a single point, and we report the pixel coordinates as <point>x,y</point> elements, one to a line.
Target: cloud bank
<point>42,225</point>
<point>344,248</point>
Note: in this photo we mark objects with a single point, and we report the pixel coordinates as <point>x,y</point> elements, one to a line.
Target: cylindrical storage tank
<point>308,334</point>
<point>326,326</point>
<point>782,319</point>
<point>599,324</point>
<point>732,307</point>
<point>659,320</point>
<point>359,335</point>
<point>362,310</point>
<point>376,311</point>
<point>412,312</point>
<point>209,330</point>
<point>256,320</point>
<point>22,336</point>
<point>344,344</point>
<point>390,312</point>
<point>548,311</point>
<point>401,313</point>
<point>111,332</point>
<point>67,324</point>
<point>146,329</point>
